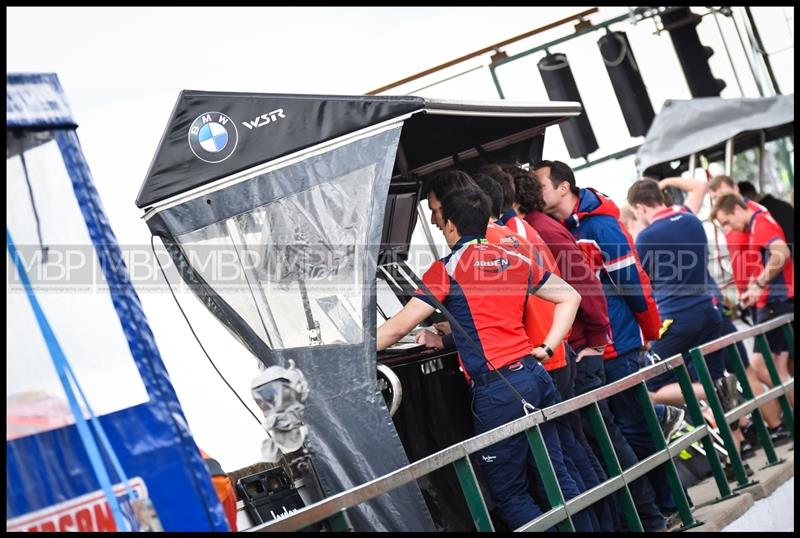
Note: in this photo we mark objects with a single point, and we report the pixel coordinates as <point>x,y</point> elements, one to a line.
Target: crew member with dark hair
<point>484,288</point>
<point>593,220</point>
<point>591,330</point>
<point>538,319</point>
<point>438,186</point>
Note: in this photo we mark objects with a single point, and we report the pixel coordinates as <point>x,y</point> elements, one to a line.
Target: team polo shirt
<point>539,313</point>
<point>673,250</point>
<point>485,288</point>
<point>511,220</point>
<point>745,260</point>
<point>763,231</point>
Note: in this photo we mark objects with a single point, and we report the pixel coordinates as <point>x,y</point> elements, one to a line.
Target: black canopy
<point>212,135</point>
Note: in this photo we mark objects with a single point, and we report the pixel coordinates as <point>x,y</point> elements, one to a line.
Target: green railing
<point>458,455</point>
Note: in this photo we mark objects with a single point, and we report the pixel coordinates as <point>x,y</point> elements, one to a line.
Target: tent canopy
<point>62,258</point>
<point>212,135</point>
<point>703,125</point>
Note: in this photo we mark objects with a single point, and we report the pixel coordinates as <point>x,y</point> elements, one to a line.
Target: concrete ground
<point>716,515</point>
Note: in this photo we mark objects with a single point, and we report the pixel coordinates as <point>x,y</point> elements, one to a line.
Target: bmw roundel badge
<point>213,137</point>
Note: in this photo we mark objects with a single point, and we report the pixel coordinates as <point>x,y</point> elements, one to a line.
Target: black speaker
<point>627,82</point>
<point>681,23</point>
<point>560,86</point>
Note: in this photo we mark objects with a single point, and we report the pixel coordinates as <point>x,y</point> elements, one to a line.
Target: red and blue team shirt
<point>485,287</point>
<point>673,250</point>
<point>763,231</point>
<point>745,260</point>
<point>538,312</point>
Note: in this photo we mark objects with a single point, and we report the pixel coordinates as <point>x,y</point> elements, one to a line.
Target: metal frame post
<point>758,420</point>
<point>719,416</point>
<point>613,467</point>
<point>548,475</point>
<point>763,347</point>
<point>729,157</point>
<point>496,81</point>
<point>697,417</point>
<point>762,143</point>
<point>340,522</point>
<point>473,495</point>
<point>673,479</point>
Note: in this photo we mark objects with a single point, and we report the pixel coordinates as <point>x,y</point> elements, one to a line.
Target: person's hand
<point>539,354</point>
<point>443,327</point>
<point>589,351</point>
<point>430,339</point>
<point>751,295</point>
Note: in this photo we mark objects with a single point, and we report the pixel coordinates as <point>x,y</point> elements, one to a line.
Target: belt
<point>493,375</point>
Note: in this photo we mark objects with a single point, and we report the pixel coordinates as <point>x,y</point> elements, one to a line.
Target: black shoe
<point>780,435</point>
<point>748,469</point>
<point>730,475</point>
<point>750,435</point>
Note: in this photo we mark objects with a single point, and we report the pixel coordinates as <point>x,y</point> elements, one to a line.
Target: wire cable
<point>153,247</point>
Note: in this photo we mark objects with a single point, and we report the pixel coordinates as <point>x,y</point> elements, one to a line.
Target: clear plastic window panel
<point>71,290</point>
<point>293,268</point>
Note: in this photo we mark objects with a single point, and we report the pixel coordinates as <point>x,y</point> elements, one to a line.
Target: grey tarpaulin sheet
<point>309,234</point>
<point>686,127</point>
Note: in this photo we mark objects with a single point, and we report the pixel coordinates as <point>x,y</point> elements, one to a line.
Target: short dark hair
<point>717,182</point>
<point>492,190</point>
<point>504,180</point>
<point>527,190</point>
<point>726,204</point>
<point>647,192</point>
<point>468,209</point>
<point>747,189</point>
<point>446,181</point>
<point>559,173</point>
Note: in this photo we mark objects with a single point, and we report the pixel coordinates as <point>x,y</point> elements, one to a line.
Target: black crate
<point>270,494</point>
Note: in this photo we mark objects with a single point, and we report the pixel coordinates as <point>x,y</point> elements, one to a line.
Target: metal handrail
<point>755,330</point>
<point>340,502</point>
<point>600,491</point>
<point>346,499</point>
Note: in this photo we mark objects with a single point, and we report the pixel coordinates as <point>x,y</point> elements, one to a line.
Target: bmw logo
<point>213,137</point>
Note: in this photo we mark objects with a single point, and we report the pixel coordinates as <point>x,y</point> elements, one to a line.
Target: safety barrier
<point>458,455</point>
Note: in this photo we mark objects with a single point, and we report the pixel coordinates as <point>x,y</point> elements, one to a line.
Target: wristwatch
<point>546,349</point>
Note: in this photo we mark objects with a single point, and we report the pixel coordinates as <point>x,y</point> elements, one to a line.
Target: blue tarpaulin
<point>55,214</point>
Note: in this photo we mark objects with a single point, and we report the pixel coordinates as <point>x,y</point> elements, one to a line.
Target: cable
<point>33,206</point>
<point>382,313</point>
<point>153,247</point>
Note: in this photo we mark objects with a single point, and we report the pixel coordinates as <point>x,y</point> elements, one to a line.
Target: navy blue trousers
<point>505,464</point>
<point>592,374</point>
